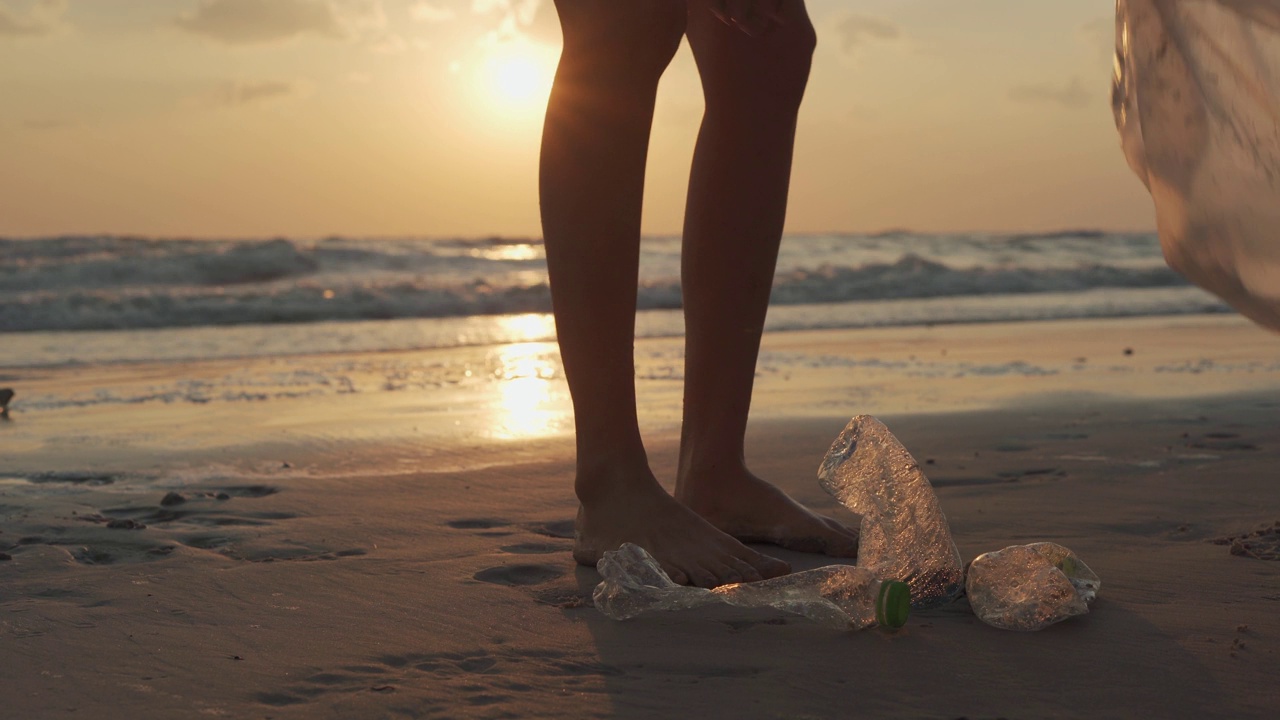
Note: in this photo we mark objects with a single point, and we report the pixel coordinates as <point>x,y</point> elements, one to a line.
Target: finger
<point>719,10</point>
<point>745,15</point>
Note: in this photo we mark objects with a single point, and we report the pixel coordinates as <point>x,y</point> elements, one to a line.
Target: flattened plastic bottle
<point>1030,587</point>
<point>842,597</point>
<point>904,535</point>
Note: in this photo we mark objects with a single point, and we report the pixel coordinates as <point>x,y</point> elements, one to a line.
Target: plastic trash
<point>904,535</point>
<point>1030,587</point>
<point>1196,96</point>
<point>842,597</point>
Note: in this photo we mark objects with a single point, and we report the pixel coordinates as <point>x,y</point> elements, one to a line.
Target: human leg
<point>595,141</point>
<point>733,226</point>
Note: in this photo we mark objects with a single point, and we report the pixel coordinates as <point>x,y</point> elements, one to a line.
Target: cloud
<point>425,11</point>
<point>1073,95</point>
<point>857,29</point>
<point>43,18</point>
<point>254,22</point>
<point>241,94</point>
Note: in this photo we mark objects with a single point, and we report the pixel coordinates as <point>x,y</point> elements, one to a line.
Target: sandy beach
<point>377,535</point>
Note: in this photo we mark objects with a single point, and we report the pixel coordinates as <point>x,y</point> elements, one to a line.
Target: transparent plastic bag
<point>1196,97</point>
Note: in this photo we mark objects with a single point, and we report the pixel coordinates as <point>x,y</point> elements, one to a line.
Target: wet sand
<point>263,539</point>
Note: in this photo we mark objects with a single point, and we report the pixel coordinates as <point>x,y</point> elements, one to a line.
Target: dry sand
<point>398,545</point>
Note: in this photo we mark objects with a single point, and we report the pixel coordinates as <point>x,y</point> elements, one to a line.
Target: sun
<point>517,77</point>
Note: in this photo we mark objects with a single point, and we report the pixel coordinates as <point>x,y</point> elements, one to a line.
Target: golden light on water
<point>514,251</point>
<point>531,401</point>
<point>527,327</point>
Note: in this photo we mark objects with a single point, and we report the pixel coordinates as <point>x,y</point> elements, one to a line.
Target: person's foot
<point>690,550</point>
<point>752,510</point>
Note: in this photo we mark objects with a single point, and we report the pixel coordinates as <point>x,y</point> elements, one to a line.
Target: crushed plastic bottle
<point>1030,587</point>
<point>842,597</point>
<point>904,535</point>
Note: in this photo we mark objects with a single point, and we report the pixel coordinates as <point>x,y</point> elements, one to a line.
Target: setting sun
<point>518,77</point>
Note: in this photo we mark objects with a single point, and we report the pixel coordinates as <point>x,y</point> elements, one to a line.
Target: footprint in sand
<point>534,548</point>
<point>490,527</point>
<point>554,528</point>
<point>519,575</point>
<point>249,491</point>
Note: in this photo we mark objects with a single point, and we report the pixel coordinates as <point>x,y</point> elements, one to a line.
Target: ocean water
<point>107,299</point>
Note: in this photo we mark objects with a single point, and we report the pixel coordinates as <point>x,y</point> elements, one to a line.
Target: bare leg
<point>733,225</point>
<point>594,145</point>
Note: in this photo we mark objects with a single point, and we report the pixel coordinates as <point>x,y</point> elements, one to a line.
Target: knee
<point>795,58</point>
<point>775,76</point>
<point>630,45</point>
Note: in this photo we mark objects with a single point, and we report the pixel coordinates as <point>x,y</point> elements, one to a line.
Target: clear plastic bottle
<point>904,535</point>
<point>838,596</point>
<point>1029,587</point>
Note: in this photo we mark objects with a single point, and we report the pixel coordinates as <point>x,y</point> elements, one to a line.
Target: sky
<point>310,118</point>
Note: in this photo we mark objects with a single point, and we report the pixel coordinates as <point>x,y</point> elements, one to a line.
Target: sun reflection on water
<point>531,400</point>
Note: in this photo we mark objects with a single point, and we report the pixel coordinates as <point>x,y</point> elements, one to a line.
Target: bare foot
<point>690,550</point>
<point>752,510</point>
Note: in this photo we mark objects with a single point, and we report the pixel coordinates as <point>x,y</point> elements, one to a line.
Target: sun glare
<point>517,78</point>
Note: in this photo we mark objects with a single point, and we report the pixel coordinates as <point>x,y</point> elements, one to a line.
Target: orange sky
<point>217,118</point>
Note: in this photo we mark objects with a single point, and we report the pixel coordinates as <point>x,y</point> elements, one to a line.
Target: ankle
<point>602,480</point>
<point>702,467</point>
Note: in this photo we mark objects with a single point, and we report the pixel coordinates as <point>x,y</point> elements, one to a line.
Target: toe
<point>768,566</point>
<point>677,575</point>
<point>704,578</point>
<point>744,568</point>
<point>724,573</point>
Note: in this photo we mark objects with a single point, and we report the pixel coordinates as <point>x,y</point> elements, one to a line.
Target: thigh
<point>623,29</point>
<point>735,65</point>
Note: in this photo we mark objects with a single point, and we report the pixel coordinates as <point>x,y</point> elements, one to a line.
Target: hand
<point>753,17</point>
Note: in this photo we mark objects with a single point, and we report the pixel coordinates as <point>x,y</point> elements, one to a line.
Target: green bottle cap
<point>893,604</point>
